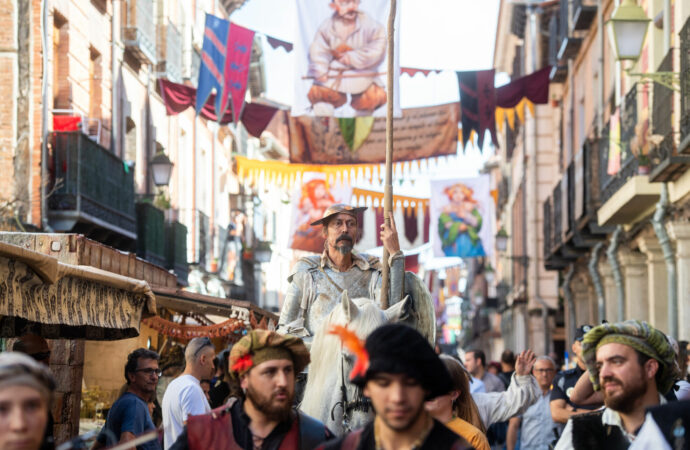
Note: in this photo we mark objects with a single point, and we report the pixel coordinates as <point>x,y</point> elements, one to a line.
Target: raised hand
<point>389,236</point>
<point>524,362</point>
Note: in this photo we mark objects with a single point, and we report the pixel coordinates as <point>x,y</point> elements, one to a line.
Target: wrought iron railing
<point>548,219</point>
<point>664,161</point>
<point>204,236</point>
<point>139,32</point>
<point>151,233</point>
<point>685,83</point>
<point>554,39</point>
<point>89,179</point>
<point>170,52</point>
<point>584,13</point>
<point>563,16</point>
<point>557,237</point>
<point>571,198</point>
<point>611,179</point>
<point>176,249</point>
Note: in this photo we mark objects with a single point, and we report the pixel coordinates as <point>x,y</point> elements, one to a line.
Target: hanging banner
<point>461,212</point>
<point>420,133</point>
<point>236,75</point>
<point>478,100</point>
<point>341,58</point>
<point>309,201</point>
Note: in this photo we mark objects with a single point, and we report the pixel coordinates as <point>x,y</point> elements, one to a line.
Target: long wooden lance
<point>388,188</point>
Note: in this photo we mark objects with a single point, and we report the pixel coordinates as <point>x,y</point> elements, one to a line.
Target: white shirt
<point>609,417</point>
<point>184,397</point>
<point>650,436</point>
<point>500,406</point>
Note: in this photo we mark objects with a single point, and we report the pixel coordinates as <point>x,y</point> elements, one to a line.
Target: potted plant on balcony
<point>643,146</point>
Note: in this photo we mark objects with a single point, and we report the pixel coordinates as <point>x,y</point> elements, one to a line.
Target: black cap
<point>400,349</point>
<point>581,331</point>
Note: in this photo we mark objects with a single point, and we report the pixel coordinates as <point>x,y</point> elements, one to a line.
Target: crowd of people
<point>627,389</point>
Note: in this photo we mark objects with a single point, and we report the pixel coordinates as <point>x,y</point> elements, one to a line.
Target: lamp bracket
<point>670,80</point>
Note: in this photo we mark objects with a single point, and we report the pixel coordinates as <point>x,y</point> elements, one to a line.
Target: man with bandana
<point>265,363</point>
<point>634,365</point>
<point>317,282</point>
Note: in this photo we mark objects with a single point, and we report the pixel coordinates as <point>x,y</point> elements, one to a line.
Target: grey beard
<point>344,249</point>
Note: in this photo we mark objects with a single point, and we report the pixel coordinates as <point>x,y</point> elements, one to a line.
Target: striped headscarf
<point>636,334</point>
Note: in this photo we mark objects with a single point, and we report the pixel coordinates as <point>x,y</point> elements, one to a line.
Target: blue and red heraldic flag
<point>225,58</point>
<point>478,105</point>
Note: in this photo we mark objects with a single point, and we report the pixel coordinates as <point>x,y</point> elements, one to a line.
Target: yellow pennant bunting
<point>509,114</point>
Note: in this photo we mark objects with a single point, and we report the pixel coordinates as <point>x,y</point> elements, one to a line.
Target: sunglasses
<point>206,343</point>
<point>150,371</point>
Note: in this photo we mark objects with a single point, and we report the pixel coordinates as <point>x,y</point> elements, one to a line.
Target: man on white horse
<point>317,282</point>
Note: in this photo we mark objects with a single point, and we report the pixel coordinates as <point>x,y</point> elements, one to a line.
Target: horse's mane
<point>325,348</point>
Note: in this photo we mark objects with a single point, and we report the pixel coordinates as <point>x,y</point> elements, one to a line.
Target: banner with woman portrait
<point>462,212</point>
<point>309,201</point>
<point>341,58</point>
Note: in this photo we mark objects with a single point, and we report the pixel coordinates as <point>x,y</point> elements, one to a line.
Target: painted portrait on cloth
<point>461,217</point>
<point>309,201</point>
<point>341,58</point>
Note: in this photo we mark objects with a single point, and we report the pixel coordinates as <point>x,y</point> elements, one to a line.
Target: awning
<point>191,302</point>
<point>41,295</point>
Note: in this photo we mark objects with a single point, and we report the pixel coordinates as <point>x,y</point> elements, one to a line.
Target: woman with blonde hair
<point>457,409</point>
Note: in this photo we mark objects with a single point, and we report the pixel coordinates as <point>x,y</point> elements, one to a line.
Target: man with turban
<point>265,363</point>
<point>399,372</point>
<point>634,365</point>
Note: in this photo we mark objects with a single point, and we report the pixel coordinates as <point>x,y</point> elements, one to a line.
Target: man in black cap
<point>561,405</point>
<point>317,282</point>
<point>403,372</point>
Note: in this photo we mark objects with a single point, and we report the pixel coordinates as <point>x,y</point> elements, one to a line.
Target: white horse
<point>329,396</point>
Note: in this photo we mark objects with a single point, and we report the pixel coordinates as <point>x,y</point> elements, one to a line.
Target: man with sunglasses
<point>129,416</point>
<point>184,396</point>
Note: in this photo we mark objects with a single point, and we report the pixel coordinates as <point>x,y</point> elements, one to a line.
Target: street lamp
<point>627,30</point>
<point>502,240</point>
<point>161,168</point>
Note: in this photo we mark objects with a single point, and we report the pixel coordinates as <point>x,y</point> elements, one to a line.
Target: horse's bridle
<point>359,403</point>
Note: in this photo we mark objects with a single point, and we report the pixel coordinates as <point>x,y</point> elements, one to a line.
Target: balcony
<point>176,250</point>
<point>665,162</point>
<point>559,70</point>
<point>169,64</point>
<point>93,191</point>
<point>625,192</point>
<point>584,14</point>
<point>151,233</point>
<point>569,45</point>
<point>684,146</point>
<point>139,32</point>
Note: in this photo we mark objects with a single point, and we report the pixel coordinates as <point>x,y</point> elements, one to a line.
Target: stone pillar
<point>67,365</point>
<point>634,268</point>
<point>582,296</point>
<point>609,290</point>
<point>657,281</point>
<point>680,232</point>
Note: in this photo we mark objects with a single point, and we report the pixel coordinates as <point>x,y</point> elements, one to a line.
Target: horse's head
<point>329,396</point>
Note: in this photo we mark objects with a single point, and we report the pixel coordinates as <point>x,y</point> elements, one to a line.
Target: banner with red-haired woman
<point>461,217</point>
<point>309,201</point>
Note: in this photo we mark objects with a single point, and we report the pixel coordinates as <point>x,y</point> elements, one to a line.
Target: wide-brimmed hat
<point>339,208</point>
<point>400,349</point>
